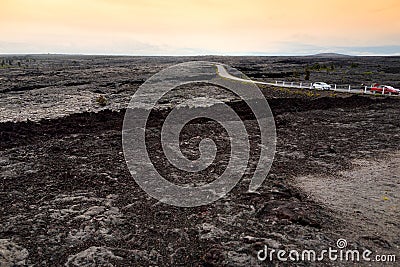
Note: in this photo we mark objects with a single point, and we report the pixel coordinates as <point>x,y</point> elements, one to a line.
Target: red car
<point>377,88</point>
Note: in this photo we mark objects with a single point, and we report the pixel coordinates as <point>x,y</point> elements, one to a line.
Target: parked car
<point>386,89</point>
<point>321,86</point>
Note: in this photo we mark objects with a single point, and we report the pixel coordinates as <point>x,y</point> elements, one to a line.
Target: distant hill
<point>330,55</point>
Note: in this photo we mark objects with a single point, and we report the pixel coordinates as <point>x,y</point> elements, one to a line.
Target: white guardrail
<point>334,87</point>
<point>304,85</point>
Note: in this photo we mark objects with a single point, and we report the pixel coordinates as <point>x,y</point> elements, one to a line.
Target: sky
<point>200,27</point>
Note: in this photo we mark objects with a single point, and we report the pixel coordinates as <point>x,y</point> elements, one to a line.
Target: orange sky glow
<point>192,27</point>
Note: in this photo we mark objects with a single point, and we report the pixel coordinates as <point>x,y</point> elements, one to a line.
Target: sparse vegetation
<point>354,65</point>
<point>332,95</point>
<point>8,63</point>
<point>316,66</point>
<point>323,67</point>
<point>296,74</point>
<point>101,100</point>
<point>307,75</point>
<point>4,64</point>
<point>298,92</point>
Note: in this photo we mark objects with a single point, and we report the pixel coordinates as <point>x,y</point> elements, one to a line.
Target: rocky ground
<point>67,197</point>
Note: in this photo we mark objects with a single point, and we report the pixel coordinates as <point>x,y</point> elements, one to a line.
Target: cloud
<point>179,27</point>
<point>130,47</point>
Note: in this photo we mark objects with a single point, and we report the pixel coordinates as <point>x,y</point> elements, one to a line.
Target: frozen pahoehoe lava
<point>145,99</point>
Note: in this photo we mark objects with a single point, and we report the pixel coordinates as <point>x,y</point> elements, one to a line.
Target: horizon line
<point>338,55</point>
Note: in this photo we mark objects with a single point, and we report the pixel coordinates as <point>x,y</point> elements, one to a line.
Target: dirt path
<point>367,196</point>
